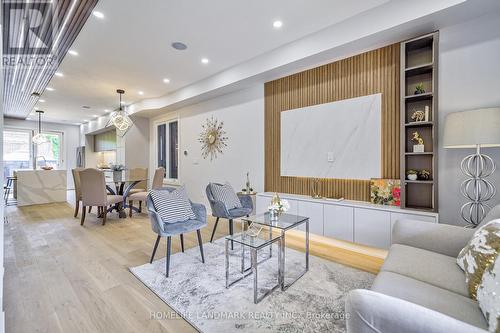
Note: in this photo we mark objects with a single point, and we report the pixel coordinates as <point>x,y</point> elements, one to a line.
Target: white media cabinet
<point>354,221</point>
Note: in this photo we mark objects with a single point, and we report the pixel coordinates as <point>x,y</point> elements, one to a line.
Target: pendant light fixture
<point>39,138</point>
<point>120,118</point>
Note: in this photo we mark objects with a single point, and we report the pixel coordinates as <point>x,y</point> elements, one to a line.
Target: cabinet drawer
<point>314,211</point>
<point>372,227</point>
<point>338,222</point>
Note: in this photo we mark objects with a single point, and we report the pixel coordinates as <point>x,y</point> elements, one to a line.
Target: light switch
<point>330,156</point>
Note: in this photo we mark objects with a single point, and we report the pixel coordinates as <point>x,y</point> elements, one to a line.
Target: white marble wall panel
<point>333,140</point>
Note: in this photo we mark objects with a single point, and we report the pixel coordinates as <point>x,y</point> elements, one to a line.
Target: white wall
<point>71,140</point>
<point>469,77</point>
<point>243,115</point>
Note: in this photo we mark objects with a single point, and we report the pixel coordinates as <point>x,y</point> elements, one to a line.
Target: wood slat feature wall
<point>369,73</point>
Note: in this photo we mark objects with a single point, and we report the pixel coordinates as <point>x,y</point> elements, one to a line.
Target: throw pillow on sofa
<point>488,295</point>
<point>172,206</point>
<point>479,254</point>
<point>225,193</point>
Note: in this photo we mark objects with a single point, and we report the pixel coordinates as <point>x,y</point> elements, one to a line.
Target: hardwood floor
<point>61,277</point>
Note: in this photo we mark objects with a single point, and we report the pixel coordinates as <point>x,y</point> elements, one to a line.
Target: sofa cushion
<point>479,254</point>
<point>426,266</point>
<point>172,206</point>
<point>431,297</point>
<point>225,194</point>
<point>487,295</point>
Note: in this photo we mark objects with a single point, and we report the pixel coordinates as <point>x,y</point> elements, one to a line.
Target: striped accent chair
<point>165,223</point>
<point>224,205</point>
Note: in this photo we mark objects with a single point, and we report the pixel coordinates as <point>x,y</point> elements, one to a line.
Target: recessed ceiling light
<point>141,93</point>
<point>205,61</point>
<point>95,115</point>
<point>85,120</point>
<point>106,110</point>
<point>179,46</point>
<point>277,24</point>
<point>41,100</point>
<point>166,80</point>
<point>98,14</point>
<point>73,52</point>
<point>49,89</point>
<point>59,74</point>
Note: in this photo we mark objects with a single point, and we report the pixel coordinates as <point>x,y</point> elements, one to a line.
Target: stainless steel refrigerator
<point>80,157</point>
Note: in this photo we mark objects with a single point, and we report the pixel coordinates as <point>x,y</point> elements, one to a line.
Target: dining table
<point>120,183</point>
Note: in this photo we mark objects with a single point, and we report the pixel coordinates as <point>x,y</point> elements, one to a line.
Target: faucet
<point>44,160</point>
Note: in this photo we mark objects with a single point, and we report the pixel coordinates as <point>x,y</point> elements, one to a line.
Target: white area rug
<point>196,291</point>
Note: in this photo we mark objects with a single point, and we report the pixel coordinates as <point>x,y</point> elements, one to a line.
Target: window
<point>17,150</point>
<point>167,148</point>
<point>50,152</point>
<point>20,153</point>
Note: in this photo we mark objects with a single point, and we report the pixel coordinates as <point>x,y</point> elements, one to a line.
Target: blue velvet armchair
<point>219,210</point>
<point>163,229</point>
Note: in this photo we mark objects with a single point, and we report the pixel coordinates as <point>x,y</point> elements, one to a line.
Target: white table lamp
<point>474,129</point>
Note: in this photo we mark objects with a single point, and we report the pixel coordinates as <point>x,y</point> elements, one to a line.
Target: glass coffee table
<point>253,243</point>
<point>283,223</point>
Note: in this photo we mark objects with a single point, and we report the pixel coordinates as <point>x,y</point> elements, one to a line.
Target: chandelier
<point>120,118</point>
<point>39,138</point>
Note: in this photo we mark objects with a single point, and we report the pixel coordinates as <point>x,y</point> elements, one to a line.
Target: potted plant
<point>424,175</point>
<point>419,89</point>
<point>117,172</point>
<point>412,174</point>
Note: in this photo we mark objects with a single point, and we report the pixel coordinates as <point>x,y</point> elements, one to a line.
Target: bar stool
<point>9,185</point>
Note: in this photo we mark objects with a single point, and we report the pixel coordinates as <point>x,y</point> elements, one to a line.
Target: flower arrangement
<point>117,167</point>
<point>385,192</point>
<point>278,205</point>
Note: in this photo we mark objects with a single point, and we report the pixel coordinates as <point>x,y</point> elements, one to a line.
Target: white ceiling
<point>130,47</point>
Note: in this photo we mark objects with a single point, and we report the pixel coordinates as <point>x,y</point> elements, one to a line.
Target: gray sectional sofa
<point>420,288</point>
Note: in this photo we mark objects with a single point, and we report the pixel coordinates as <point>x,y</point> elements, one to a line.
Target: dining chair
<point>139,173</point>
<point>142,195</point>
<point>164,229</point>
<point>93,191</point>
<point>78,192</point>
<point>220,210</point>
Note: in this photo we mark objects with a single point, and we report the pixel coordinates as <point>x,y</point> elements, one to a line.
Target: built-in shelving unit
<point>419,66</point>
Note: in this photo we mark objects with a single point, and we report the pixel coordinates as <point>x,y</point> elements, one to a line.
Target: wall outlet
<point>329,157</point>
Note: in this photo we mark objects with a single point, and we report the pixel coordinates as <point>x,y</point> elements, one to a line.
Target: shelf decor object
<point>474,129</point>
<point>39,138</point>
<point>120,118</point>
<point>212,138</point>
<point>419,115</point>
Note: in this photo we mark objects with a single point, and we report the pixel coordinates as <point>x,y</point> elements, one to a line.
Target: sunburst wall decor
<point>212,138</point>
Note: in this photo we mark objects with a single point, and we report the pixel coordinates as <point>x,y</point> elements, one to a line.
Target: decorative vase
<point>412,176</point>
<point>117,176</point>
<point>274,215</point>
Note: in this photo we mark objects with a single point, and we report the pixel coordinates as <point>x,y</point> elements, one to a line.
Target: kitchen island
<point>36,187</point>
